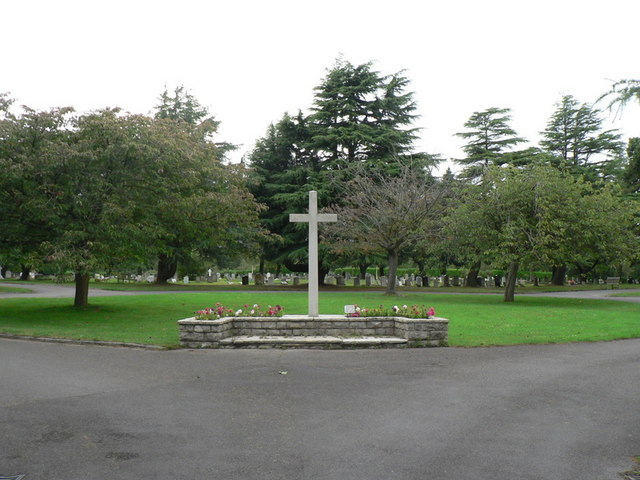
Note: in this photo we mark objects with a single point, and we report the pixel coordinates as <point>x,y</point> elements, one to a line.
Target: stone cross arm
<point>320,217</point>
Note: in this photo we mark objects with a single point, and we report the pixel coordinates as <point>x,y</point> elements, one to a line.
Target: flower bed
<point>414,311</point>
<point>221,332</point>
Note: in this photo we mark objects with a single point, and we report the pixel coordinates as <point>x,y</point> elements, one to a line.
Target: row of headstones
<point>412,280</point>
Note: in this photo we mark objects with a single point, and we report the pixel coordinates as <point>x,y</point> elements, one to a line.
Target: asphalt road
<point>527,412</point>
<point>43,290</point>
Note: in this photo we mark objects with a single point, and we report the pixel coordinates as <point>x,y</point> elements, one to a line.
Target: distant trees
<point>85,191</point>
<point>540,215</point>
<point>390,213</point>
<point>358,117</point>
<point>577,141</point>
<point>489,137</point>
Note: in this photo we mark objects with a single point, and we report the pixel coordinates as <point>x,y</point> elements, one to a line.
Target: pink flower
<point>431,312</point>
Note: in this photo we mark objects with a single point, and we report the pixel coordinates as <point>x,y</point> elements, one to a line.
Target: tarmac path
<point>66,291</point>
<point>544,412</point>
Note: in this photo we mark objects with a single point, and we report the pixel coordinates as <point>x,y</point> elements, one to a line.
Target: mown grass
<point>475,320</point>
<point>626,294</point>
<point>14,290</point>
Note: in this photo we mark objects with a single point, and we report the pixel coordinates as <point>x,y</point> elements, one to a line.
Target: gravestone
<point>259,279</point>
<point>356,281</point>
<point>367,280</point>
<point>296,280</point>
<point>456,281</point>
<point>384,281</point>
<point>185,279</point>
<point>245,280</point>
<point>418,281</point>
<point>340,281</point>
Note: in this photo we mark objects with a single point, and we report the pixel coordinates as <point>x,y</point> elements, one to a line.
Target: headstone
<point>418,281</point>
<point>384,281</point>
<point>271,280</point>
<point>367,280</point>
<point>340,281</point>
<point>296,280</point>
<point>456,281</point>
<point>209,272</point>
<point>356,281</point>
<point>259,279</point>
<point>245,280</point>
<point>436,281</point>
<point>185,279</point>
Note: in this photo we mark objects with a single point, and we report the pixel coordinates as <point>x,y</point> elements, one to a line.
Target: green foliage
<point>632,172</point>
<point>361,115</point>
<point>98,191</point>
<point>358,116</point>
<point>622,92</point>
<point>541,216</point>
<point>579,145</point>
<point>489,137</point>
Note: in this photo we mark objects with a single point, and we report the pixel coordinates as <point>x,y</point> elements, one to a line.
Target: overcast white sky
<point>250,61</point>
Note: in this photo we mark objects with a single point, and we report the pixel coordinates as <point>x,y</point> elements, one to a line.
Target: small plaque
<point>349,309</point>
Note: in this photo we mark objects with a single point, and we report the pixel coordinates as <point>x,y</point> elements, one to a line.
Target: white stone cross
<point>313,217</point>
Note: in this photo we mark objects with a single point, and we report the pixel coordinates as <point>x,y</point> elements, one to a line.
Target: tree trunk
<point>472,276</point>
<point>261,268</point>
<point>24,272</point>
<point>363,270</point>
<point>167,267</point>
<point>558,272</point>
<point>392,257</point>
<point>3,271</point>
<point>510,286</point>
<point>322,272</point>
<point>420,265</point>
<point>82,290</point>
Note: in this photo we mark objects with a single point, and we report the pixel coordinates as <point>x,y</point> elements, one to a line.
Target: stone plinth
<point>336,330</point>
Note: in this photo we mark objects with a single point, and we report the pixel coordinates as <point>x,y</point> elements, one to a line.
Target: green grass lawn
<point>14,290</point>
<point>475,320</point>
<point>626,294</point>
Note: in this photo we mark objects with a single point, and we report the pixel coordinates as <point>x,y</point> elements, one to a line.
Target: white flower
<point>357,309</point>
<point>404,307</point>
<point>238,312</point>
<point>252,312</point>
<point>395,308</point>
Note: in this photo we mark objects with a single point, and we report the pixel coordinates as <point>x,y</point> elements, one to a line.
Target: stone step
<point>244,341</point>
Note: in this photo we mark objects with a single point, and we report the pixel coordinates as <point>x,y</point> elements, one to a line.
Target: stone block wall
<point>417,331</point>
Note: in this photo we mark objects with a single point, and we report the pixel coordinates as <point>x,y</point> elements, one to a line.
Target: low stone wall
<point>418,332</point>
